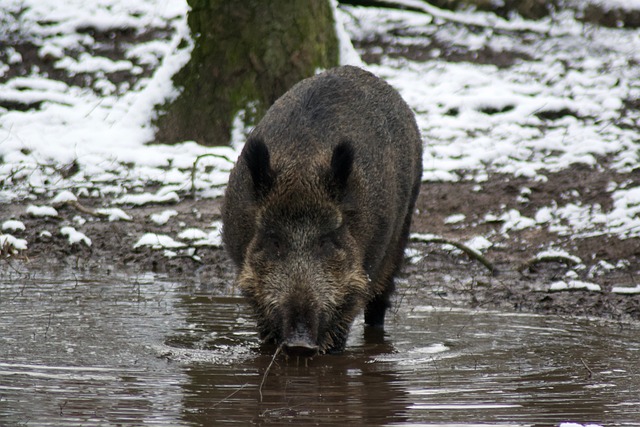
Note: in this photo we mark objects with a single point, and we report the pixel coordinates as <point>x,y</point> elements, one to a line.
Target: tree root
<point>472,253</point>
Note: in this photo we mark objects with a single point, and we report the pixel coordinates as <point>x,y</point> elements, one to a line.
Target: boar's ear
<point>341,166</point>
<point>256,156</point>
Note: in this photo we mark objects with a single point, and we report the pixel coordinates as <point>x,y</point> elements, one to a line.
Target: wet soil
<point>447,276</point>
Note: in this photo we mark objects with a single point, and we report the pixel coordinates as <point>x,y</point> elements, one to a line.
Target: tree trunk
<point>246,54</point>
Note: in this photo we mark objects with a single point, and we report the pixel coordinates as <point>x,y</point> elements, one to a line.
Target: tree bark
<point>246,54</point>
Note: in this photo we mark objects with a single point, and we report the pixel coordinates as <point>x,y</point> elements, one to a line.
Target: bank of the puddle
<point>141,350</point>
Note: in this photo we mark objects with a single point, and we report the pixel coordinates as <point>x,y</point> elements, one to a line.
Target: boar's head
<point>303,269</point>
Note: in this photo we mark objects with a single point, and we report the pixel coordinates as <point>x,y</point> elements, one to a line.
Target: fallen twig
<point>564,259</point>
<point>87,211</point>
<point>472,253</point>
<point>80,208</point>
<point>231,395</point>
<point>266,372</point>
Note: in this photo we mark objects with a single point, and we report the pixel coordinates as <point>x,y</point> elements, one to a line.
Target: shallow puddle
<point>141,350</point>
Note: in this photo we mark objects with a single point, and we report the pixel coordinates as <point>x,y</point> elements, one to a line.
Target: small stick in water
<point>590,374</point>
<point>264,377</point>
<point>231,395</point>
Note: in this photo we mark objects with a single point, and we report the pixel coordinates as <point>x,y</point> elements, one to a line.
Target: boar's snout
<point>300,341</point>
<point>300,348</point>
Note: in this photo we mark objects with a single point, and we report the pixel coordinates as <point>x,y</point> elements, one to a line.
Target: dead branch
<point>472,253</point>
<point>81,208</point>
<point>495,23</point>
<point>564,259</point>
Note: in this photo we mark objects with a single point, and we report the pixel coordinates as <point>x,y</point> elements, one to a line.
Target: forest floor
<point>440,272</point>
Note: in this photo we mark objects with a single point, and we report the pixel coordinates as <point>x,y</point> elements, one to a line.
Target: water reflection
<point>139,350</point>
<point>326,389</point>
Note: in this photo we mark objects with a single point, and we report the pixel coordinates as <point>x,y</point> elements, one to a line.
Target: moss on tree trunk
<point>246,54</point>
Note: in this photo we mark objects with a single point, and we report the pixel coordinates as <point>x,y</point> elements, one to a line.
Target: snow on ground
<point>79,120</point>
<point>74,236</point>
<point>102,127</point>
<point>566,103</point>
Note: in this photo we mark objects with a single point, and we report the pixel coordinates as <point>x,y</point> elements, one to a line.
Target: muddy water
<point>141,350</point>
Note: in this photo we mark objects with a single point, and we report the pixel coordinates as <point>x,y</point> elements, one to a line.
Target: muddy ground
<point>443,276</point>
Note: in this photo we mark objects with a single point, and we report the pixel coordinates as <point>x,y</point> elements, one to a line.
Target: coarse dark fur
<point>318,207</point>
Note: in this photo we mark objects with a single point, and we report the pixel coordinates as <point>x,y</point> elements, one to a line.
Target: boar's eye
<point>326,245</point>
<point>272,245</point>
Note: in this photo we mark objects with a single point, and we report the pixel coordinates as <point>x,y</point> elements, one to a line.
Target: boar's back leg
<point>376,308</point>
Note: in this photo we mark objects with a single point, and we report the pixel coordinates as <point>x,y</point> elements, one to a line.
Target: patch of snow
<point>169,253</point>
<point>75,236</point>
<point>514,221</point>
<point>543,215</point>
<point>479,243</point>
<point>45,233</point>
<point>13,243</point>
<point>163,217</point>
<point>212,239</point>
<point>64,197</point>
<point>192,234</point>
<point>558,253</point>
<point>158,241</point>
<point>626,290</point>
<point>454,219</point>
<point>87,63</point>
<point>13,225</point>
<point>628,5</point>
<point>146,198</point>
<point>413,255</point>
<point>571,274</point>
<point>114,214</point>
<point>600,268</point>
<point>425,237</point>
<point>41,211</point>
<point>572,285</point>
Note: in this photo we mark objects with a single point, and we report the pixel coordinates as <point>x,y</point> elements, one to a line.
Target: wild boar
<point>318,208</point>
